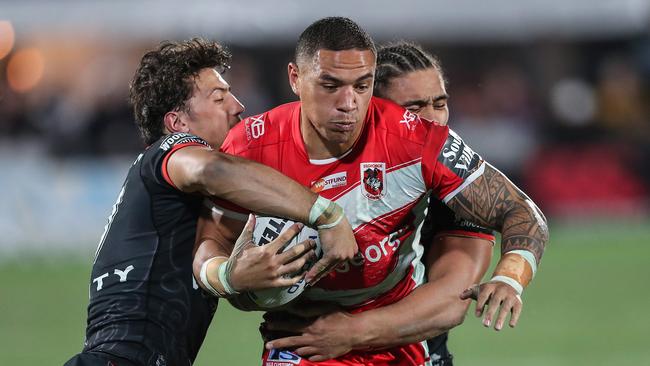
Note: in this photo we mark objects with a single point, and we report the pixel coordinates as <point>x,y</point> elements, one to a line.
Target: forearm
<point>453,264</point>
<point>429,310</point>
<point>256,187</point>
<point>493,201</point>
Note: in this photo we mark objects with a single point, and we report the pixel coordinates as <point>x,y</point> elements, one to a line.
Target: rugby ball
<point>266,230</point>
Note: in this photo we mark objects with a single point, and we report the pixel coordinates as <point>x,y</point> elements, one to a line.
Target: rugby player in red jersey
<point>145,307</point>
<point>391,160</point>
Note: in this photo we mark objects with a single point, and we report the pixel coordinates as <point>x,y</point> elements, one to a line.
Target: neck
<point>317,144</point>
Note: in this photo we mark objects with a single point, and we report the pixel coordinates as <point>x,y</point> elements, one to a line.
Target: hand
<point>259,267</point>
<point>318,339</point>
<point>495,295</point>
<point>338,246</point>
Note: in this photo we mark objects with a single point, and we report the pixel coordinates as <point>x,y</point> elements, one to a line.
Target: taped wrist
<point>325,214</point>
<point>220,284</point>
<point>516,268</point>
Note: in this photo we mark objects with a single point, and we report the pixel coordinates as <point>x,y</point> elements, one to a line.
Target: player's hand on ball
<point>498,297</point>
<point>338,246</point>
<point>260,267</point>
<point>317,339</point>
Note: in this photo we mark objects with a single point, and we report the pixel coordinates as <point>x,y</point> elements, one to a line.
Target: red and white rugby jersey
<point>381,183</point>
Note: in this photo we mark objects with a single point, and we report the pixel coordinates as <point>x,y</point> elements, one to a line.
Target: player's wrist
<point>515,268</point>
<point>325,214</point>
<point>215,275</point>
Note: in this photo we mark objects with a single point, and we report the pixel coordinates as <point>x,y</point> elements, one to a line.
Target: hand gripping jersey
<point>144,303</point>
<point>381,182</point>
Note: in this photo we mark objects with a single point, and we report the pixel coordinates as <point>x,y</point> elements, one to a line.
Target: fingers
<point>319,270</point>
<point>470,293</point>
<point>276,245</point>
<point>516,311</point>
<point>296,251</point>
<point>506,308</point>
<point>481,300</point>
<point>297,265</point>
<point>501,301</point>
<point>286,342</point>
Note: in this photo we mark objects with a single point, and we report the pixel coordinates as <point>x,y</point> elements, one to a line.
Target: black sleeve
<point>154,159</point>
<point>441,219</point>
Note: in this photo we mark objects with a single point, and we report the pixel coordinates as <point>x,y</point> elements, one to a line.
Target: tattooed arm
<point>492,200</point>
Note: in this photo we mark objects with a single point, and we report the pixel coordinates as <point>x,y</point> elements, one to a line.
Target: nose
<point>347,101</point>
<point>237,107</point>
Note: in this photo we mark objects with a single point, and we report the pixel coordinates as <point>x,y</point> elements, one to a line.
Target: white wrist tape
<point>224,278</point>
<point>317,209</point>
<point>204,277</point>
<point>528,256</point>
<point>331,225</point>
<point>507,280</point>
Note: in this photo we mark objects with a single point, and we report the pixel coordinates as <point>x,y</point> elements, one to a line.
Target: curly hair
<point>164,81</point>
<point>401,58</point>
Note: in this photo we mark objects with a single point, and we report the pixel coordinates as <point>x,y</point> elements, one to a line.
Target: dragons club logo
<point>373,180</point>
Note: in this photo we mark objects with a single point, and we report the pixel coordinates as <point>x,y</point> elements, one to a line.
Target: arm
<point>492,200</point>
<point>263,189</point>
<point>454,263</point>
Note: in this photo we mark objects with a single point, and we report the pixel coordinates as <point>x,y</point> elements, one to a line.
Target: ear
<point>174,123</point>
<point>294,78</point>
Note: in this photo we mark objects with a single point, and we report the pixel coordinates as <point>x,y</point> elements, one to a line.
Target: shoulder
<point>400,124</point>
<point>264,129</point>
<point>172,142</point>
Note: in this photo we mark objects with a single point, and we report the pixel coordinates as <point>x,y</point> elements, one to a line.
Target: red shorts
<point>409,355</point>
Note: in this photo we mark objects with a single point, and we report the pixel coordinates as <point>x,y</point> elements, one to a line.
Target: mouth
<point>343,126</point>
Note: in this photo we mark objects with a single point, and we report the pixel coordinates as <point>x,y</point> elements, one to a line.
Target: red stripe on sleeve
<point>165,173</point>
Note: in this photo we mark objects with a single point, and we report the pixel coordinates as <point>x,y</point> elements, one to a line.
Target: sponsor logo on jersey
<point>331,181</point>
<point>373,180</point>
<point>282,358</point>
<point>180,138</point>
<point>255,127</point>
<point>458,157</point>
<point>410,120</point>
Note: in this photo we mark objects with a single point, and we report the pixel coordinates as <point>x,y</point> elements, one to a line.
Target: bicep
<point>185,167</point>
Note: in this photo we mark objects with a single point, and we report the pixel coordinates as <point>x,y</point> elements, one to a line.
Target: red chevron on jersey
<point>381,183</point>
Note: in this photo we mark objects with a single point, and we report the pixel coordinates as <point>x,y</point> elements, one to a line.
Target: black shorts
<point>439,352</point>
<point>97,359</point>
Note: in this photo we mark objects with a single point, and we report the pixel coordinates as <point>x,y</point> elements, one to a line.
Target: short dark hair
<point>164,80</point>
<point>332,33</point>
<point>400,58</point>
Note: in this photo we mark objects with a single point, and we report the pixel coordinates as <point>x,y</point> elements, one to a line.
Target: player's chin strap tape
<point>223,276</point>
<point>323,206</point>
<point>516,268</point>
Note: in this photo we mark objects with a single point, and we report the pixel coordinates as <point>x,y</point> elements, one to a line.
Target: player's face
<point>335,91</point>
<point>422,92</point>
<point>213,109</point>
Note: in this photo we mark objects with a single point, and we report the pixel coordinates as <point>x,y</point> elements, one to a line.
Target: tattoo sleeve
<point>492,200</point>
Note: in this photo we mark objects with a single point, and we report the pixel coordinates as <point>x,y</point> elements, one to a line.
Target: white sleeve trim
<point>225,212</point>
<point>467,182</point>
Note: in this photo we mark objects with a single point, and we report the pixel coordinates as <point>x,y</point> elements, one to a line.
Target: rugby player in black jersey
<point>414,79</point>
<point>145,307</point>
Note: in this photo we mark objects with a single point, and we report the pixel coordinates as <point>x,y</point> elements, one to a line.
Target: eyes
<point>359,88</point>
<point>418,107</point>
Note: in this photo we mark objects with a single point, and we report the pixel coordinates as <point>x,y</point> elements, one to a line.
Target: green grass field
<point>588,306</point>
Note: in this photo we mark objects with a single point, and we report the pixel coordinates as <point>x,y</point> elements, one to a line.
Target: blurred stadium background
<point>555,93</point>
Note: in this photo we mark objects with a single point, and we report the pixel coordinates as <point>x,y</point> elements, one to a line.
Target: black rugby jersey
<point>145,305</point>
